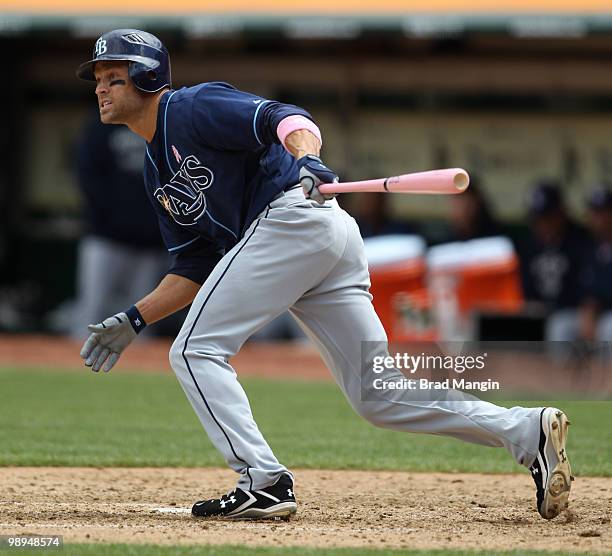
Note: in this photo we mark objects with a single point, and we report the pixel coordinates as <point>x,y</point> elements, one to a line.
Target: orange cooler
<point>398,272</point>
<point>476,275</point>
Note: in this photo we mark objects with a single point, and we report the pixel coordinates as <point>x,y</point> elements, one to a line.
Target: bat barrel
<point>435,182</point>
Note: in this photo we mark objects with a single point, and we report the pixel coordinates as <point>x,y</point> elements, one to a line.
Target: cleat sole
<point>560,478</point>
<point>282,511</point>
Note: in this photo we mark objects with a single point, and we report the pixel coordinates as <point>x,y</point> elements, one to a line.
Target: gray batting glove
<point>107,342</point>
<point>312,174</point>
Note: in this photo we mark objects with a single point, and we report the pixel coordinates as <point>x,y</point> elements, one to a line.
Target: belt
<point>288,188</point>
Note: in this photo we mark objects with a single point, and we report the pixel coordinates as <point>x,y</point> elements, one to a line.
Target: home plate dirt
<point>336,508</point>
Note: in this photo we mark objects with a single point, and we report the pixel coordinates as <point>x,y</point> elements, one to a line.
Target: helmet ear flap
<point>143,76</point>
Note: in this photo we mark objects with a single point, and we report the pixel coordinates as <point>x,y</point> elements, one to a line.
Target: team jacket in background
<point>109,165</point>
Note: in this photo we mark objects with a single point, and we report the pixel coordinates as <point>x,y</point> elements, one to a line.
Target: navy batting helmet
<point>149,67</point>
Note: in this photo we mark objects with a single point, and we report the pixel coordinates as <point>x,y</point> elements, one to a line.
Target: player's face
<point>118,99</point>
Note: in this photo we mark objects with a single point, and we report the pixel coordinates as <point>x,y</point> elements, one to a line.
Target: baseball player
<point>234,180</point>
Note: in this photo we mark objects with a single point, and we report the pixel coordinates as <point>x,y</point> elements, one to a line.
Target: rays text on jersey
<point>183,197</point>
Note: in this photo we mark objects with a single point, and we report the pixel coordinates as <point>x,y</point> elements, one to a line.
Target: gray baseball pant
<point>309,258</point>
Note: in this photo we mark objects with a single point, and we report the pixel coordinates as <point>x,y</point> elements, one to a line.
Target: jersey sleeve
<point>195,262</point>
<point>227,118</point>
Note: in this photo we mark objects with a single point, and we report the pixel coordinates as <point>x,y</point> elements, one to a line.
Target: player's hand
<point>312,174</point>
<point>107,341</point>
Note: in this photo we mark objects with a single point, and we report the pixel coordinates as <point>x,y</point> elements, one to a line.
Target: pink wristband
<point>292,123</point>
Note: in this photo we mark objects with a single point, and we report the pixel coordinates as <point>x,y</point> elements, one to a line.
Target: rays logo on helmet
<point>183,197</point>
<point>100,48</point>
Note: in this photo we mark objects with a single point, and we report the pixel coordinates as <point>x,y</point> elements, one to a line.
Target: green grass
<point>155,550</point>
<point>123,419</point>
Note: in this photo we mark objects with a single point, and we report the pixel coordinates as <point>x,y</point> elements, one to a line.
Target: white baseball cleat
<point>551,469</point>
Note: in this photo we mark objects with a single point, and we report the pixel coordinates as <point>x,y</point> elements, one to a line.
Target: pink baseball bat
<point>435,182</point>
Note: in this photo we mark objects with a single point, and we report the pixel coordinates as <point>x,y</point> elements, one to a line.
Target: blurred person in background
<point>596,311</point>
<point>471,216</point>
<point>121,256</point>
<point>374,217</point>
<point>552,262</point>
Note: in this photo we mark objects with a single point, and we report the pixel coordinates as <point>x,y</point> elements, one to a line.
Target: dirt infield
<point>337,508</point>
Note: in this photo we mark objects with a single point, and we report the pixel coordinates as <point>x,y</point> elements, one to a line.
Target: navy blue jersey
<point>554,274</point>
<point>598,275</point>
<point>214,163</point>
